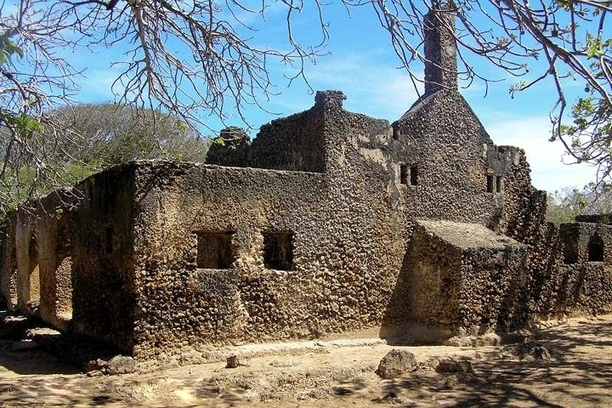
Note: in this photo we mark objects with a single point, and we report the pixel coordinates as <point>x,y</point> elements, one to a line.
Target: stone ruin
<point>328,222</point>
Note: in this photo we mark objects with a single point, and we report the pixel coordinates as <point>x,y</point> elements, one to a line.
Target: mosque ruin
<point>329,221</point>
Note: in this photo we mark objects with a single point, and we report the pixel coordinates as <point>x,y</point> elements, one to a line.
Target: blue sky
<point>362,64</point>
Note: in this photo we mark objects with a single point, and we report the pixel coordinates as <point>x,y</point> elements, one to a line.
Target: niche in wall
<point>278,250</point>
<point>408,175</point>
<point>414,174</point>
<point>404,173</point>
<point>494,184</point>
<point>596,249</point>
<point>396,132</point>
<point>215,249</point>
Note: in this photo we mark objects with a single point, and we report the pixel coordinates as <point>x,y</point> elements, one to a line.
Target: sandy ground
<point>336,374</point>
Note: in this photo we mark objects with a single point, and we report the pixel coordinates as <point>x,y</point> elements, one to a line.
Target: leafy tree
<point>564,205</point>
<point>588,138</point>
<point>100,135</point>
<point>89,138</point>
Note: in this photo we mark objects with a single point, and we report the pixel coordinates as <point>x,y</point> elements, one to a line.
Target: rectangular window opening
<point>413,176</point>
<point>278,250</point>
<point>498,184</point>
<point>490,184</point>
<point>215,249</point>
<point>403,174</point>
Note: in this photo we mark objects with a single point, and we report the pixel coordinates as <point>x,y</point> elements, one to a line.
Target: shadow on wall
<point>456,279</point>
<point>398,325</point>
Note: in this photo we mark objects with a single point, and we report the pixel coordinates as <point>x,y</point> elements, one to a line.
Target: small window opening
<point>403,174</point>
<point>413,176</point>
<point>570,256</point>
<point>596,249</point>
<point>498,184</point>
<point>278,250</point>
<point>490,184</point>
<point>215,250</point>
<point>396,133</point>
<point>108,240</point>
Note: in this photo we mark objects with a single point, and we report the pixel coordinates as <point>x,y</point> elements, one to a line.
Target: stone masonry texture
<point>328,221</point>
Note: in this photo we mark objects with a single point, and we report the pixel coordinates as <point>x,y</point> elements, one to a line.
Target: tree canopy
<point>188,57</point>
<point>564,205</point>
<point>88,138</point>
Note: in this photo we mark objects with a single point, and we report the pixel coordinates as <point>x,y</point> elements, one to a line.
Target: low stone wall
<point>339,276</point>
<point>577,279</point>
<point>463,278</point>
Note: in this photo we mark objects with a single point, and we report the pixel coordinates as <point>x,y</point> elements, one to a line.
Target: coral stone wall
<point>102,240</point>
<point>292,143</point>
<point>387,227</point>
<point>347,245</point>
<point>580,282</point>
<point>461,278</point>
<point>460,173</point>
<point>8,274</point>
<point>231,148</point>
<point>53,246</point>
<point>27,257</point>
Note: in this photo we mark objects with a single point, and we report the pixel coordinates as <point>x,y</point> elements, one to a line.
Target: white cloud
<point>375,89</point>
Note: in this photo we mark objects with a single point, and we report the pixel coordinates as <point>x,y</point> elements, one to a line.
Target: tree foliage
<point>109,134</point>
<point>86,139</point>
<point>564,205</point>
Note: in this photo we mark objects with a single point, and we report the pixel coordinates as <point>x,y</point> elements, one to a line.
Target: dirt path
<point>335,374</point>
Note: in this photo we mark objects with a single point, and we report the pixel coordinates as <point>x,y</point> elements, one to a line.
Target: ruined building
<point>329,221</point>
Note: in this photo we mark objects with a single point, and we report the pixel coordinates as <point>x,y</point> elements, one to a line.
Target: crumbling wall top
<point>595,218</point>
<point>329,99</point>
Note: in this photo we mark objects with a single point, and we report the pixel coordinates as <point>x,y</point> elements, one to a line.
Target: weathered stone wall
<point>328,221</point>
<point>293,143</point>
<point>443,141</point>
<point>161,257</point>
<point>430,282</point>
<point>36,272</point>
<point>492,281</point>
<point>27,262</point>
<point>52,236</point>
<point>347,243</point>
<point>460,278</point>
<point>231,148</point>
<point>102,240</point>
<point>580,281</point>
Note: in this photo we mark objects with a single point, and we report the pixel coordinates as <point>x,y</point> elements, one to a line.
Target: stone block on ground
<point>397,363</point>
<point>121,365</point>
